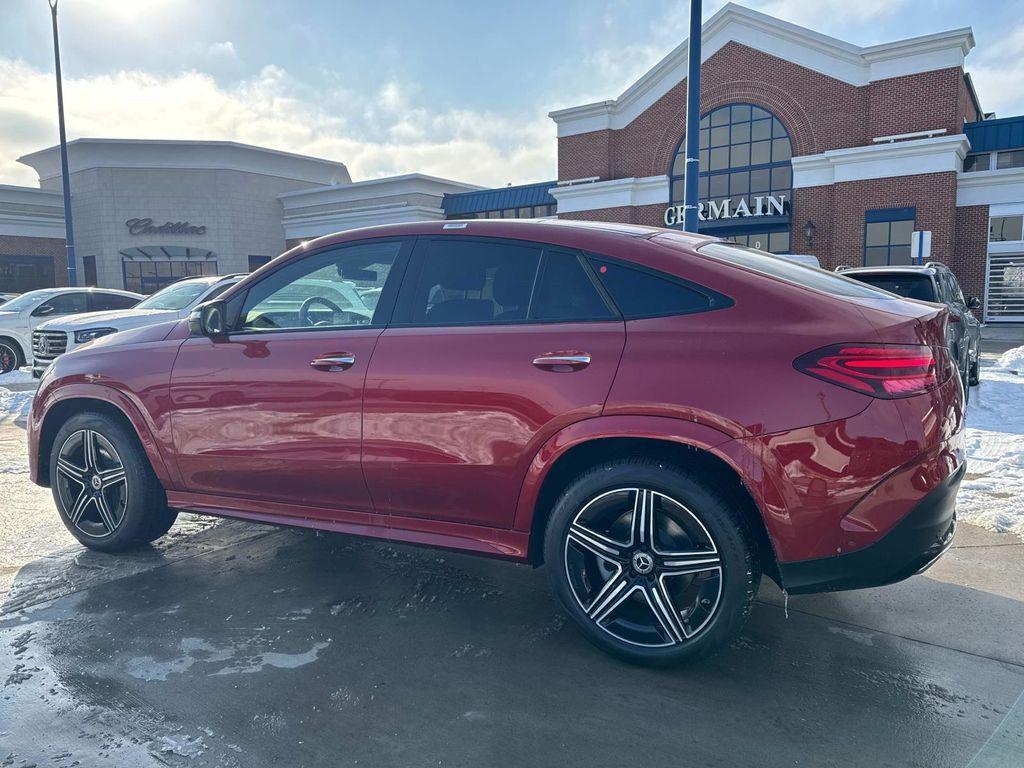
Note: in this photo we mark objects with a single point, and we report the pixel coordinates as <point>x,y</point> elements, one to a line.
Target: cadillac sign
<point>148,227</point>
<point>764,205</point>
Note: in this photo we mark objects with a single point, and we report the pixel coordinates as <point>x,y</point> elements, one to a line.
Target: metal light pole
<point>690,192</point>
<point>69,236</point>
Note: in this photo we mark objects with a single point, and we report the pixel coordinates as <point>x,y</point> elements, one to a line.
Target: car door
<point>494,347</point>
<point>271,411</point>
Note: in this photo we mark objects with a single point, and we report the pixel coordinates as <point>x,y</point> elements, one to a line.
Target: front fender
<point>140,420</point>
<point>679,431</point>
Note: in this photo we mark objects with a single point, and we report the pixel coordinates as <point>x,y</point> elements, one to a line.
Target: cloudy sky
<point>457,89</point>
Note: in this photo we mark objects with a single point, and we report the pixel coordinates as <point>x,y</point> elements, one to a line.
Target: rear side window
<point>106,301</point>
<point>917,287</point>
<point>784,269</point>
<point>639,293</point>
<point>565,291</point>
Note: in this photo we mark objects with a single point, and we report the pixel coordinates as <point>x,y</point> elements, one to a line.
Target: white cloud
<point>380,134</point>
<point>831,16</point>
<point>998,74</point>
<point>224,50</point>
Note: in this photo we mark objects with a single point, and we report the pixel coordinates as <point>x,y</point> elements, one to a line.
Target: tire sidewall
<point>740,574</point>
<point>137,476</point>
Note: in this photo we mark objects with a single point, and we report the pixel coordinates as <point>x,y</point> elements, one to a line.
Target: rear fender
<point>677,431</point>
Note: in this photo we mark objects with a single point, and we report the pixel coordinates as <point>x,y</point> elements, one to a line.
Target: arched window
<point>745,154</point>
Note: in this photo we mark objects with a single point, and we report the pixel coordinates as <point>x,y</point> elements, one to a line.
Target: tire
<point>104,487</point>
<point>11,356</point>
<point>616,586</point>
<point>974,375</point>
<point>159,522</point>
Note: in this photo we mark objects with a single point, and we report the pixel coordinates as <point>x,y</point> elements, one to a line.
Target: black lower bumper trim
<point>913,544</point>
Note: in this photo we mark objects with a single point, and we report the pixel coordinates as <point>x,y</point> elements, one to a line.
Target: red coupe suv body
<point>640,404</point>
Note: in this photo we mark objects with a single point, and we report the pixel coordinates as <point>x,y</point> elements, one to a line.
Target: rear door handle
<point>334,362</point>
<point>562,361</point>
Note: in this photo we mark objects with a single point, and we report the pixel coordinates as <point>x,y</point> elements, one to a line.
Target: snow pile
<point>20,376</point>
<point>992,494</point>
<point>15,403</point>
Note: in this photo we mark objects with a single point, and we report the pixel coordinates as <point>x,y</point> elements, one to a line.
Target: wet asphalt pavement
<point>232,644</point>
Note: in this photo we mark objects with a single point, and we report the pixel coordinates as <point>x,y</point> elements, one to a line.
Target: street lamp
<point>809,230</point>
<point>69,236</point>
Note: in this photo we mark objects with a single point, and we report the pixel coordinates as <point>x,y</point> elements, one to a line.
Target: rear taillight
<point>878,370</point>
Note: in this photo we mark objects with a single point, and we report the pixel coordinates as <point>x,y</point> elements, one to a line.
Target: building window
<point>744,152</point>
<point>89,270</point>
<point>773,242</point>
<point>887,233</point>
<point>19,274</point>
<point>525,212</point>
<point>1003,228</point>
<point>980,161</point>
<point>255,262</point>
<point>1010,159</point>
<point>149,268</point>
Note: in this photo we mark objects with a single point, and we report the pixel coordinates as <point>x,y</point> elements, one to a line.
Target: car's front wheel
<point>104,488</point>
<point>653,565</point>
<point>10,356</point>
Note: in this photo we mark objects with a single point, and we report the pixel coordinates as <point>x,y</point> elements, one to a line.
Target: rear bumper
<point>910,547</point>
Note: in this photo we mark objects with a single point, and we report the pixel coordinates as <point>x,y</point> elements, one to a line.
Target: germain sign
<point>147,227</point>
<point>764,205</point>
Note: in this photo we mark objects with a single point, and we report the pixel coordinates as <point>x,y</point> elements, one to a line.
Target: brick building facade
<point>860,146</point>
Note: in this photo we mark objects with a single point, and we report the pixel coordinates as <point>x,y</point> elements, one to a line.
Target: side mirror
<point>208,319</point>
<point>973,302</point>
<point>45,309</point>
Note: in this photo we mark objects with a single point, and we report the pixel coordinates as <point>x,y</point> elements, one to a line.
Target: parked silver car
<point>936,283</point>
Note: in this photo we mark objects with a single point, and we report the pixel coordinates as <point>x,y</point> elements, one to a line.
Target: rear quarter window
<point>640,292</point>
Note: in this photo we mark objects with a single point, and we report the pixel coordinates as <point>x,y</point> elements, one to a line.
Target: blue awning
<point>995,135</point>
<point>498,199</point>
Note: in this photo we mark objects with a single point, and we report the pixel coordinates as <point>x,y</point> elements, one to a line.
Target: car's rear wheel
<point>10,356</point>
<point>104,488</point>
<point>974,377</point>
<point>654,566</point>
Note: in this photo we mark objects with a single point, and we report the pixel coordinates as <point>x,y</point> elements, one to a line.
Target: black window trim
<point>403,312</point>
<point>715,299</point>
<point>385,304</point>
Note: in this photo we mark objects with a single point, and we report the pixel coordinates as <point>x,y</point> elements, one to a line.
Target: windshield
<point>784,269</point>
<point>918,287</point>
<point>26,300</point>
<point>175,296</point>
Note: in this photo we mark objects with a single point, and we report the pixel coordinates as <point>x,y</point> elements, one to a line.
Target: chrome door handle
<point>562,362</point>
<point>334,362</point>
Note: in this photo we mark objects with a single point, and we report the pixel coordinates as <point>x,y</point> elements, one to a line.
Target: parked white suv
<point>20,316</point>
<point>52,339</point>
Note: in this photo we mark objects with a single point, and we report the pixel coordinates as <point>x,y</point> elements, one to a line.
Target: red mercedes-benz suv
<point>659,418</point>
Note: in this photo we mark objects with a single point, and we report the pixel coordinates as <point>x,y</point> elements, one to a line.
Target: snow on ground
<point>992,494</point>
<point>20,376</point>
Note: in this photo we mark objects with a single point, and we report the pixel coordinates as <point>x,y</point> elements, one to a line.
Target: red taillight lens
<point>878,370</point>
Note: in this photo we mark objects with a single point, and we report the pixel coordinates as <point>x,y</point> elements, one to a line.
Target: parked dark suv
<point>936,283</point>
<point>658,418</point>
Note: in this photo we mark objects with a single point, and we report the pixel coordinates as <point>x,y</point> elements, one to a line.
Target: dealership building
<point>809,145</point>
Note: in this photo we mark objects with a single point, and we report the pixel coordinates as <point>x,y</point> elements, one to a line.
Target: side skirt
<point>493,542</point>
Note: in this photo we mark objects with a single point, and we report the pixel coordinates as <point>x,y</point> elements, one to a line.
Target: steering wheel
<point>305,319</point>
